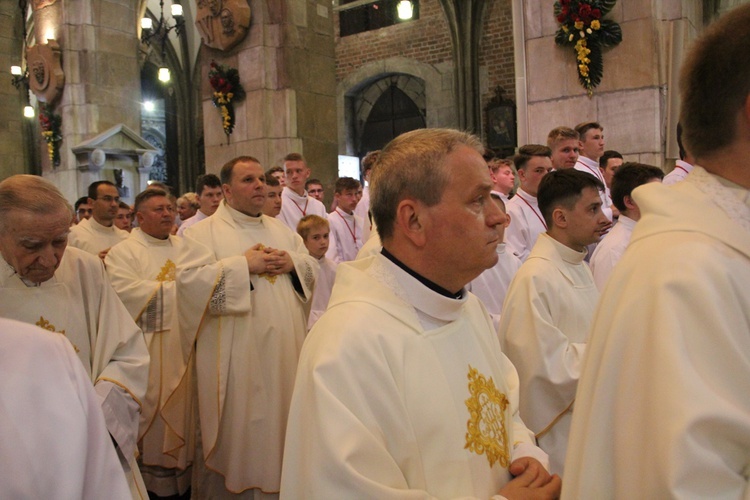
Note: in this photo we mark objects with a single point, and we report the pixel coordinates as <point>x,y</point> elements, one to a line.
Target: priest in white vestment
<point>533,163</point>
<point>663,407</point>
<point>402,390</point>
<point>98,234</point>
<point>243,281</point>
<point>142,272</point>
<point>548,308</point>
<point>55,443</point>
<point>610,249</point>
<point>295,202</point>
<point>67,291</point>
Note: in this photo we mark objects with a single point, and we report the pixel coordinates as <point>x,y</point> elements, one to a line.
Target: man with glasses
<point>98,234</point>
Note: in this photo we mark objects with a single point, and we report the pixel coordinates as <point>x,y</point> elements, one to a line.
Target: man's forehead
<point>295,164</point>
<point>104,189</point>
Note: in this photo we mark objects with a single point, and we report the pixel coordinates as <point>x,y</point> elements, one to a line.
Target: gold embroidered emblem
<point>43,323</point>
<point>486,432</point>
<point>167,272</point>
<point>265,276</point>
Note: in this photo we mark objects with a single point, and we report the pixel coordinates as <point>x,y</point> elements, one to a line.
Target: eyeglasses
<point>110,199</point>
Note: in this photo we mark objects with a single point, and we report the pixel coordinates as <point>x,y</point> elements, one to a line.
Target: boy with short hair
<point>272,208</point>
<point>314,231</point>
<point>347,228</point>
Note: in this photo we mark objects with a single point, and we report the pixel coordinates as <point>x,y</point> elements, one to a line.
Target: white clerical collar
<point>294,196</point>
<point>150,239</point>
<point>626,221</point>
<point>101,228</point>
<point>527,197</point>
<point>687,167</point>
<point>434,309</point>
<point>567,254</point>
<point>500,248</point>
<point>243,219</point>
<point>344,214</point>
<point>588,162</point>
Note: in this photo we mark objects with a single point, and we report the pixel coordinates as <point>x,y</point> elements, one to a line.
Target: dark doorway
<point>393,114</point>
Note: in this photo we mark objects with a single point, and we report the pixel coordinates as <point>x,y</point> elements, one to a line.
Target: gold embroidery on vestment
<point>486,432</point>
<point>43,323</point>
<point>167,272</point>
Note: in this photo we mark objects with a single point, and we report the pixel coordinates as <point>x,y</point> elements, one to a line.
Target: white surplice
<point>610,249</point>
<point>199,216</point>
<point>526,224</point>
<point>92,237</point>
<point>345,236</point>
<point>55,443</point>
<point>250,330</point>
<point>492,285</point>
<point>142,272</point>
<point>322,292</point>
<point>294,207</point>
<point>402,393</point>
<point>590,166</point>
<point>79,302</point>
<point>663,408</point>
<point>543,330</point>
<point>679,172</point>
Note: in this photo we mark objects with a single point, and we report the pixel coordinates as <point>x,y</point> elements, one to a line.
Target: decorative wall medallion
<point>40,4</point>
<point>46,77</point>
<point>222,23</point>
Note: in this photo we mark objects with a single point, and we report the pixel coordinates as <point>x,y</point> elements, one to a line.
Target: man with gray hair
<point>402,390</point>
<point>663,409</point>
<point>67,291</point>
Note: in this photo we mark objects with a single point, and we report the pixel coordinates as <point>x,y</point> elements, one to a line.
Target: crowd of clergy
<point>456,325</point>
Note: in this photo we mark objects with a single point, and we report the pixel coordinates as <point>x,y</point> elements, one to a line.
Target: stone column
<point>632,101</point>
<point>102,78</point>
<point>286,66</point>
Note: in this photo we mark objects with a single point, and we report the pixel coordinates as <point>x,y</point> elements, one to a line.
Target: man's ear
<point>560,217</point>
<point>410,219</point>
<point>507,220</point>
<point>629,202</point>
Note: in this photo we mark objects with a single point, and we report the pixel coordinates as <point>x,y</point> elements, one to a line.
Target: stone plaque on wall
<point>222,23</point>
<point>46,77</point>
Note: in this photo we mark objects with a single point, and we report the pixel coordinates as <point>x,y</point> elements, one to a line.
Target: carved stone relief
<point>222,24</point>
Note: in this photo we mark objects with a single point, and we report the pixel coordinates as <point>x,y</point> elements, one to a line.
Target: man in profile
<point>402,390</point>
<point>663,409</point>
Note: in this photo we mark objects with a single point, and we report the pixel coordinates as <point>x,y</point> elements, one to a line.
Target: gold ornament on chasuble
<point>168,271</point>
<point>265,276</point>
<point>43,323</point>
<point>486,431</point>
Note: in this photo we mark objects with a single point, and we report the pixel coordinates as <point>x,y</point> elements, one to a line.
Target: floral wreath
<point>225,82</point>
<point>51,124</point>
<point>582,27</point>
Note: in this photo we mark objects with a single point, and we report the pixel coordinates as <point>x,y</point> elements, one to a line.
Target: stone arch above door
<point>356,91</point>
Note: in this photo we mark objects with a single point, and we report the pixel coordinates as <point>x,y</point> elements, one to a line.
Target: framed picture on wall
<point>501,124</point>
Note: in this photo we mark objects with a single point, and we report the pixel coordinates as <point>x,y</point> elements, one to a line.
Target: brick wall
<point>426,40</point>
<point>496,50</point>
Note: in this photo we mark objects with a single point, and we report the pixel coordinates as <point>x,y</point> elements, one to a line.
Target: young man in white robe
<point>55,443</point>
<point>610,249</point>
<point>492,285</point>
<point>208,189</point>
<point>142,272</point>
<point>591,149</point>
<point>503,178</point>
<point>243,281</point>
<point>549,306</point>
<point>402,390</point>
<point>532,163</point>
<point>315,232</point>
<point>347,228</point>
<point>363,207</point>
<point>66,290</point>
<point>663,407</point>
<point>98,234</point>
<point>295,201</point>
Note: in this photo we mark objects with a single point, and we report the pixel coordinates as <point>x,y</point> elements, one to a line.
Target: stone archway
<point>434,95</point>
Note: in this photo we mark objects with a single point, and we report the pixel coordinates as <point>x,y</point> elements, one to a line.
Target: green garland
<point>227,89</point>
<point>582,27</point>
